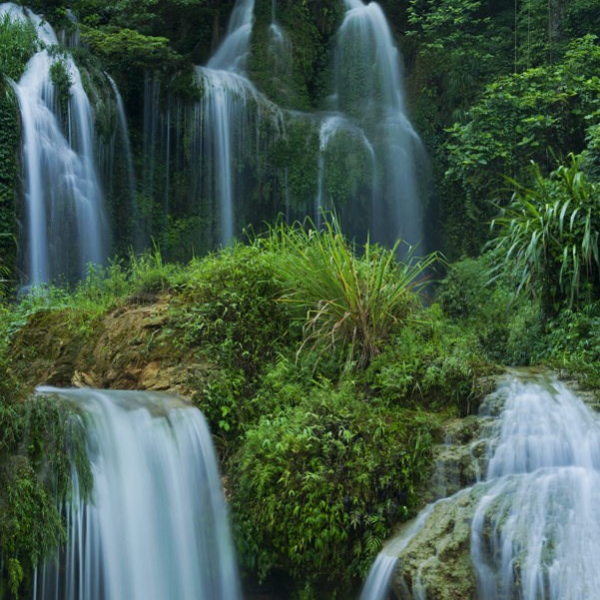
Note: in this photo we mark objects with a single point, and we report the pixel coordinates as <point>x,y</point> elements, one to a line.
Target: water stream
<point>535,525</point>
<point>223,112</point>
<point>155,526</point>
<point>65,225</point>
<point>536,532</point>
<point>369,90</point>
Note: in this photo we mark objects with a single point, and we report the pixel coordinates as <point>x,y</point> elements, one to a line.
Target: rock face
<point>461,460</point>
<point>437,561</point>
<point>125,349</point>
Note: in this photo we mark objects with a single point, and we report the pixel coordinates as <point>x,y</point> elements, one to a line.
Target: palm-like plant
<point>346,301</point>
<point>548,236</point>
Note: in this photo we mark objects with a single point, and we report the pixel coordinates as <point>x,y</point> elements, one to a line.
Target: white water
<point>155,526</point>
<point>126,149</point>
<point>65,222</point>
<point>536,533</point>
<point>232,54</point>
<point>369,89</point>
<point>379,579</point>
<point>228,118</point>
<point>222,108</point>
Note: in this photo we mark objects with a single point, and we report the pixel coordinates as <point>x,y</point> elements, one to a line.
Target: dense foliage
<point>224,319</point>
<point>319,484</point>
<point>548,237</point>
<point>321,373</point>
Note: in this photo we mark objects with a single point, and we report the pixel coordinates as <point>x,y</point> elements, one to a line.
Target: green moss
<point>9,146</point>
<point>289,73</point>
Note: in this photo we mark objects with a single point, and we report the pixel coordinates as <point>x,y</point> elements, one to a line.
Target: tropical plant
<point>518,119</point>
<point>346,301</point>
<point>548,236</point>
<point>18,42</point>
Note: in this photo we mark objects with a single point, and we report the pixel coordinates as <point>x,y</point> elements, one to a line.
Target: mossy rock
<point>437,561</point>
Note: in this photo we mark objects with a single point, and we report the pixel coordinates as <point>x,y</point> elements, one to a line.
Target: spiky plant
<point>348,300</point>
<point>547,238</point>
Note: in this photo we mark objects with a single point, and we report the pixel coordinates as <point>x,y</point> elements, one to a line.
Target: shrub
<point>501,327</point>
<point>437,366</point>
<point>18,42</point>
<point>548,237</point>
<point>347,303</point>
<point>318,486</point>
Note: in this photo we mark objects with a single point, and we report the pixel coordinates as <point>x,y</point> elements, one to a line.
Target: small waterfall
<point>223,111</point>
<point>280,50</point>
<point>329,127</point>
<point>340,139</point>
<point>536,532</point>
<point>155,526</point>
<point>126,149</point>
<point>233,52</point>
<point>534,521</point>
<point>378,583</point>
<point>65,222</point>
<point>369,89</point>
<point>228,120</point>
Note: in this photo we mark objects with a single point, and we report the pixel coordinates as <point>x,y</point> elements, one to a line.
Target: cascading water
<point>354,140</point>
<point>536,532</point>
<point>155,525</point>
<point>228,118</point>
<point>126,150</point>
<point>280,50</point>
<point>369,90</point>
<point>534,520</point>
<point>65,223</point>
<point>223,107</point>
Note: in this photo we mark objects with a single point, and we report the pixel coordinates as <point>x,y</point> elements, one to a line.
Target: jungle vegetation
<point>330,364</point>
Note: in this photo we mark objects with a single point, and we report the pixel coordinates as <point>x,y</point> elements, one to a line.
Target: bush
<point>347,304</point>
<point>18,43</point>
<point>503,329</point>
<point>225,309</point>
<point>318,485</point>
<point>227,305</point>
<point>547,239</point>
<point>436,366</point>
<point>572,346</point>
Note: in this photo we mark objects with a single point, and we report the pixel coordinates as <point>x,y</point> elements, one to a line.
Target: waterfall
<point>280,50</point>
<point>530,530</point>
<point>352,139</point>
<point>64,207</point>
<point>536,532</point>
<point>223,107</point>
<point>379,580</point>
<point>228,120</point>
<point>155,526</point>
<point>233,52</point>
<point>369,89</point>
<point>126,149</point>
